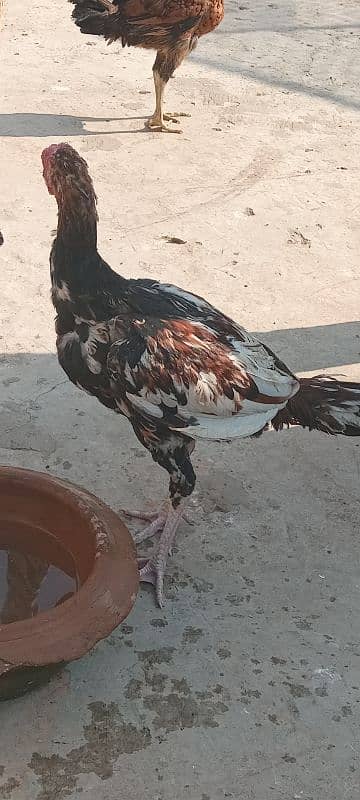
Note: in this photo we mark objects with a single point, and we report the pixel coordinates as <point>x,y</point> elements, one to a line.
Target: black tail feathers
<point>324,404</point>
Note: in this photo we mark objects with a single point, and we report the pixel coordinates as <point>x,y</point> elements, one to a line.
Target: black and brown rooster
<point>171,27</point>
<point>174,365</point>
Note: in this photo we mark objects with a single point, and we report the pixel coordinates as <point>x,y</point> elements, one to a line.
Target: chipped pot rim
<point>104,599</point>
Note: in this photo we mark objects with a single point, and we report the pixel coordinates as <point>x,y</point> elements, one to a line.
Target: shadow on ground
<point>42,125</point>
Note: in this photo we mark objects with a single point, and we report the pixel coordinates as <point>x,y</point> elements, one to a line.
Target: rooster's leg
<point>172,451</point>
<point>153,570</point>
<point>157,121</point>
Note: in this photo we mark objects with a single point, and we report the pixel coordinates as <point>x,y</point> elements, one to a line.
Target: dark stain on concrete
<point>321,691</point>
<point>127,629</point>
<point>219,689</point>
<point>248,581</point>
<point>180,686</point>
<point>160,776</point>
<point>303,625</point>
<point>158,623</point>
<point>298,690</point>
<point>346,711</point>
<point>175,705</point>
<point>201,586</point>
<point>133,689</point>
<point>205,694</point>
<point>278,661</point>
<point>164,655</point>
<point>293,708</point>
<point>107,737</point>
<point>7,788</point>
<point>192,635</point>
<point>289,759</point>
<point>273,718</point>
<point>214,557</point>
<point>237,599</point>
<point>181,580</point>
<point>223,653</point>
<point>175,712</point>
<point>2,770</point>
<point>155,680</point>
<point>248,694</point>
<point>172,700</point>
<point>150,659</point>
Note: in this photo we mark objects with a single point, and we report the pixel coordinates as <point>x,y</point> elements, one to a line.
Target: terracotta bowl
<point>102,551</point>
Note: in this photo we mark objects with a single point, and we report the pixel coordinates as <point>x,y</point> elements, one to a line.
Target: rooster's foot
<point>152,570</point>
<point>150,573</point>
<point>152,529</point>
<point>156,519</point>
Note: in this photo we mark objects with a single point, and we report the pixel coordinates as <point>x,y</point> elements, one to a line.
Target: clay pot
<point>105,560</point>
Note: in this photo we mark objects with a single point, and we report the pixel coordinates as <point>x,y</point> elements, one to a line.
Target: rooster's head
<point>66,174</point>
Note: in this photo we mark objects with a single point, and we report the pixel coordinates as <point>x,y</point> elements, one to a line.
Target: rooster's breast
<point>82,353</point>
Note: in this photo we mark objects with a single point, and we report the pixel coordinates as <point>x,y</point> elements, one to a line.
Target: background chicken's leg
<point>164,66</point>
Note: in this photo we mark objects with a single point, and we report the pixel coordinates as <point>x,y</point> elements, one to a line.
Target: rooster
<point>171,27</point>
<point>175,366</point>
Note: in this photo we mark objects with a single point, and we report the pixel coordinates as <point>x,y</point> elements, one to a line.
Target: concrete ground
<point>247,684</point>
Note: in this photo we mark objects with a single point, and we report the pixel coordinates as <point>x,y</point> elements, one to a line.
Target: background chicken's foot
<point>157,124</point>
<point>168,117</point>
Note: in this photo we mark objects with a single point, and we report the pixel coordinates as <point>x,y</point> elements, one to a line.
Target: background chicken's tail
<point>104,18</point>
<point>324,404</point>
<point>97,17</point>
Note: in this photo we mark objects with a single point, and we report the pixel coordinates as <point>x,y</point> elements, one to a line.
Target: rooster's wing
<point>198,373</point>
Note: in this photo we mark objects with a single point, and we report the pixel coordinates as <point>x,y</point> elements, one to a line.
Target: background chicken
<point>171,27</point>
<point>177,368</point>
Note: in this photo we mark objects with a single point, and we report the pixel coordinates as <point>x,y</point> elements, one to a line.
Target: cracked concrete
<point>247,684</point>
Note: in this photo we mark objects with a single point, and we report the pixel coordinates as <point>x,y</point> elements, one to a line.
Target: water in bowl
<point>36,573</point>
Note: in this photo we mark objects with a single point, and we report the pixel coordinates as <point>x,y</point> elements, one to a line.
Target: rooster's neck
<point>80,278</point>
<point>77,222</point>
<point>75,258</point>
